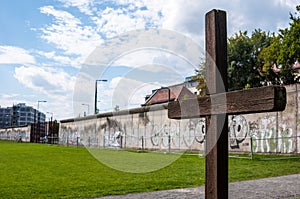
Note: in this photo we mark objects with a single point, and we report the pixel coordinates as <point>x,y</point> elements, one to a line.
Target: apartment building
<point>20,115</point>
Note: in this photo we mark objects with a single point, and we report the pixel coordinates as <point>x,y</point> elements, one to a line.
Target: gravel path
<point>275,187</point>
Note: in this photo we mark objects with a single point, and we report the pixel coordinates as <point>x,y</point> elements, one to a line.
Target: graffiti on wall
<point>238,130</point>
<point>154,131</point>
<point>195,131</point>
<point>266,137</point>
<point>16,134</point>
<point>113,131</point>
<point>146,132</point>
<point>136,131</point>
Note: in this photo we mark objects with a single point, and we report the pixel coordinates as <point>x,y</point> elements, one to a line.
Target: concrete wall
<point>274,132</point>
<point>15,133</point>
<point>151,129</point>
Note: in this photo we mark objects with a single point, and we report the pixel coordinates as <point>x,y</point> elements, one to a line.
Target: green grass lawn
<point>48,171</point>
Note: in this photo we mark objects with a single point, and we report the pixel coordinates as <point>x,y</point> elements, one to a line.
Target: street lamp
<point>88,106</point>
<point>38,107</point>
<point>98,80</point>
<point>50,129</point>
<point>51,116</point>
<point>39,101</point>
<point>38,132</point>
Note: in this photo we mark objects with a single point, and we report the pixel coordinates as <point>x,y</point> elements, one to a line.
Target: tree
<point>263,58</point>
<point>200,78</point>
<point>244,64</point>
<point>280,56</point>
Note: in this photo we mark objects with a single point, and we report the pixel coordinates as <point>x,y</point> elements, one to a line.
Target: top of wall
<point>122,112</point>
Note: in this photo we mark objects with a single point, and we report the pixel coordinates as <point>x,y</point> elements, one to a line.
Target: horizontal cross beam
<point>255,100</point>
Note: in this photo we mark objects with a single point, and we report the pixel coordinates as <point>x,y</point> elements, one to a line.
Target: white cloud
<point>137,58</point>
<point>127,93</point>
<point>115,17</point>
<point>8,99</point>
<point>156,61</point>
<point>113,21</point>
<point>137,96</point>
<point>111,18</point>
<point>74,37</point>
<point>60,16</point>
<point>263,11</point>
<point>291,4</point>
<point>52,105</point>
<point>68,33</point>
<point>114,82</point>
<point>50,81</point>
<point>116,21</point>
<point>65,60</point>
<point>60,60</point>
<point>188,17</point>
<point>15,55</point>
<point>53,85</point>
<point>84,6</point>
<point>262,14</point>
<point>62,108</point>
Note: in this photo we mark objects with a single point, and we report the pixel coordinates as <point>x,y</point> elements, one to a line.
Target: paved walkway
<point>276,187</point>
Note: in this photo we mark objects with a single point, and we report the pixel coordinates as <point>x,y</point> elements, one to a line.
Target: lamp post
<point>51,116</point>
<point>39,101</point>
<point>38,107</point>
<point>98,80</point>
<point>88,106</point>
<point>50,129</point>
<point>38,120</point>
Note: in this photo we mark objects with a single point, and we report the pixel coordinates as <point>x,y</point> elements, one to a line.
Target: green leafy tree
<point>262,58</point>
<point>282,53</point>
<point>200,78</point>
<point>244,64</point>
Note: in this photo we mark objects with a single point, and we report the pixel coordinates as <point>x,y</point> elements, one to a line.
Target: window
<point>22,119</point>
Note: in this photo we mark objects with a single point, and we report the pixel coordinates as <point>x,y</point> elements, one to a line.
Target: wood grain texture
<point>216,147</point>
<point>255,100</point>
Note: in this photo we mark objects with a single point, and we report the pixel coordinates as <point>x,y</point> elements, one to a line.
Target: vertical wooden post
<point>217,125</point>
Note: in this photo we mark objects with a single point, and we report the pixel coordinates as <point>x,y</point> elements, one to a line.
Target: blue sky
<point>44,44</point>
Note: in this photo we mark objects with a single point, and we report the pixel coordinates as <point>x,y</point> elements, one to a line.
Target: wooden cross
<point>219,103</point>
